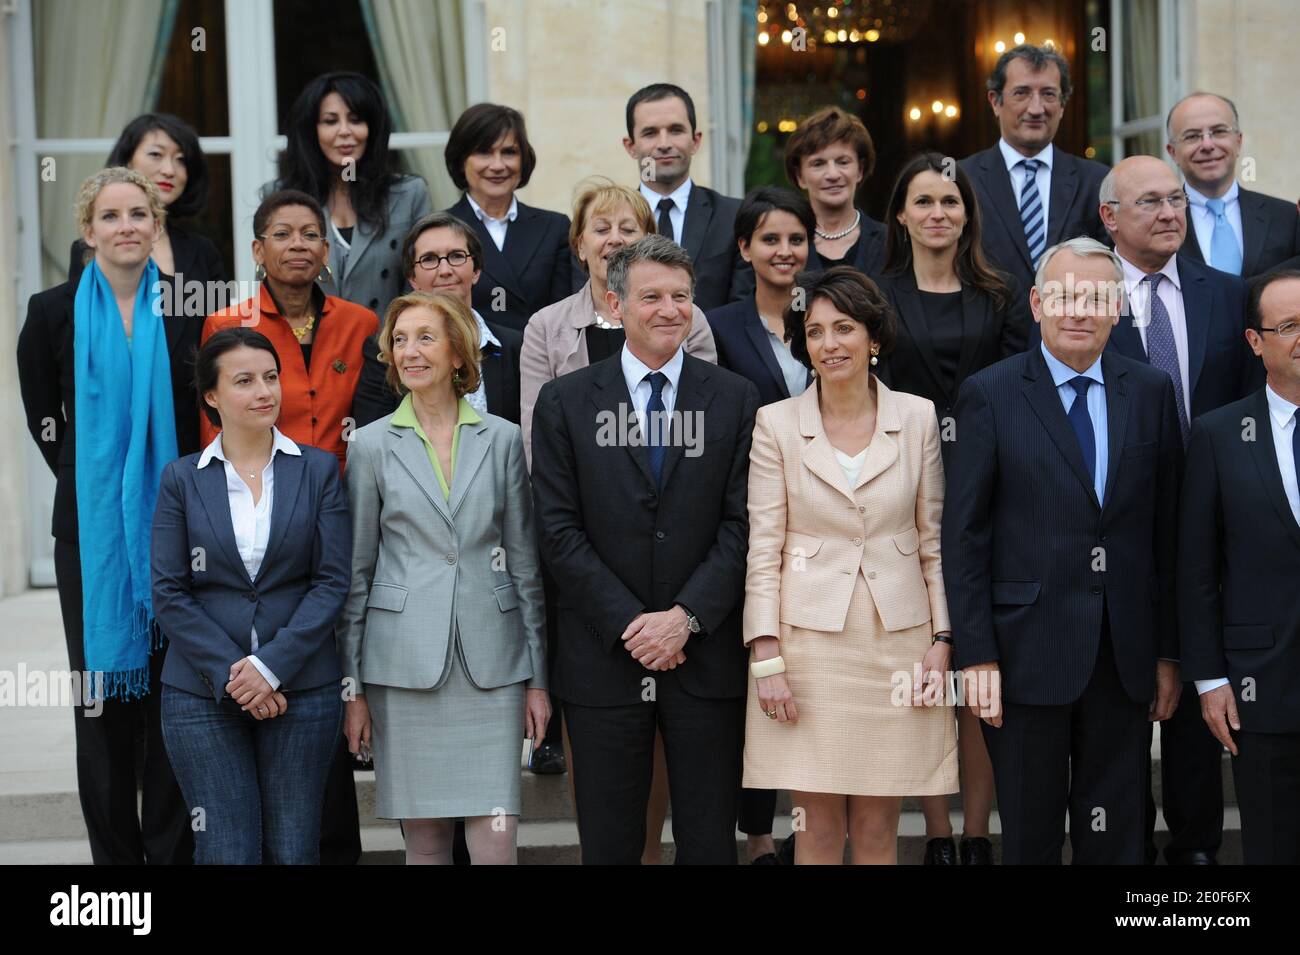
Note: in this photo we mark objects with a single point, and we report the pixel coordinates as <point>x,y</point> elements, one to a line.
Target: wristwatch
<point>692,621</point>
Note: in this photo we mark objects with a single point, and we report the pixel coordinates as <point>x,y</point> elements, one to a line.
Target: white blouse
<point>852,466</point>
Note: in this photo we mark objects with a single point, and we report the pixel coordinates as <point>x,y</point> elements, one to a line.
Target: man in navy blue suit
<point>1059,548</point>
<point>1193,327</point>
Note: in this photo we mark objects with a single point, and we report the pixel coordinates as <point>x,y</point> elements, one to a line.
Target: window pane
<point>1148,143</point>
<point>308,44</point>
<point>194,81</point>
<point>1141,53</point>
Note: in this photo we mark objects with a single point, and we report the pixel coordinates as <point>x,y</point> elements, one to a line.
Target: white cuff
<point>1205,686</point>
<point>270,677</point>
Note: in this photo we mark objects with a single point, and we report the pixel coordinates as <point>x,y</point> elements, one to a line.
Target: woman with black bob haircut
<point>250,703</point>
<point>526,250</point>
<point>338,154</point>
<point>166,151</point>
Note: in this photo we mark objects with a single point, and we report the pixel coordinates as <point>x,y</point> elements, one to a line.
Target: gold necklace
<point>301,333</point>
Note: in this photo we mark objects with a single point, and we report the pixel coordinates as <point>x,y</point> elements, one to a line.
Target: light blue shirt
<point>1043,176</point>
<point>1062,374</point>
<point>677,214</point>
<point>1203,220</point>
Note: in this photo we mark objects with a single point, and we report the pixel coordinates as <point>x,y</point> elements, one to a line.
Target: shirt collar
<point>483,217</point>
<point>635,370</point>
<point>1199,199</point>
<point>1061,372</point>
<point>1281,409</point>
<point>485,336</point>
<point>1133,275</point>
<point>404,416</point>
<point>680,196</point>
<point>1011,157</point>
<point>216,450</point>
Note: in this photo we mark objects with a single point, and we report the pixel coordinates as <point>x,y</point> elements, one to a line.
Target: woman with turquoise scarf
<point>103,353</point>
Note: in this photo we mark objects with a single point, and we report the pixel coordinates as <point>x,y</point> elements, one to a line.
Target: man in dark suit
<point>1192,327</point>
<point>640,470</point>
<point>662,138</point>
<point>427,255</point>
<point>1031,194</point>
<point>1058,559</point>
<point>1238,562</point>
<point>1232,229</point>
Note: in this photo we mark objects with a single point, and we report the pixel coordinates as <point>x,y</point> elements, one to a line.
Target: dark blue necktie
<point>1031,211</point>
<point>655,424</point>
<point>1295,444</point>
<point>1081,421</point>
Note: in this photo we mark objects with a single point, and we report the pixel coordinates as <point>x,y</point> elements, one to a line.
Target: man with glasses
<point>1238,563</point>
<point>1230,228</point>
<point>1032,195</point>
<point>1188,320</point>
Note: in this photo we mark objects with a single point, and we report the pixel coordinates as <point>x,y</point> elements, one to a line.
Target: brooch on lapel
<point>339,365</point>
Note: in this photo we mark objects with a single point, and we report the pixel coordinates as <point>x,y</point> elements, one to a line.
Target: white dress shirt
<point>1203,219</point>
<point>251,519</point>
<point>1043,176</point>
<point>677,214</point>
<point>1170,291</point>
<point>478,398</point>
<point>496,228</point>
<point>1281,418</point>
<point>634,372</point>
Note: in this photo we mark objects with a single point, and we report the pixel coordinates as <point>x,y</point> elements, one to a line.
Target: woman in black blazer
<point>527,264</point>
<point>956,315</point>
<point>118,210</point>
<point>166,151</point>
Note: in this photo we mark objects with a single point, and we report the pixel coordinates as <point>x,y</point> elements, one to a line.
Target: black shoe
<point>976,850</point>
<point>767,858</point>
<point>785,854</point>
<point>548,760</point>
<point>941,851</point>
<point>1189,857</point>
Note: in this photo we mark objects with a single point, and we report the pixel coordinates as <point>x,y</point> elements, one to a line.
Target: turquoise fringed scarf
<point>126,434</point>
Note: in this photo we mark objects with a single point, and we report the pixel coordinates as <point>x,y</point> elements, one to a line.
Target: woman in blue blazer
<point>250,555</point>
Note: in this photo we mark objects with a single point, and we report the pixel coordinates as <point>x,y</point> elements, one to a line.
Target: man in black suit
<point>1058,559</point>
<point>662,138</point>
<point>1230,228</point>
<point>427,255</point>
<point>1193,328</point>
<point>640,470</point>
<point>1238,562</point>
<point>1031,194</point>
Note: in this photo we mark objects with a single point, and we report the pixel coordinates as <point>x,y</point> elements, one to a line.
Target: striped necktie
<point>1031,212</point>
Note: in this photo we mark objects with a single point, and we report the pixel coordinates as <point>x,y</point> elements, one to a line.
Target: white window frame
<point>1173,69</point>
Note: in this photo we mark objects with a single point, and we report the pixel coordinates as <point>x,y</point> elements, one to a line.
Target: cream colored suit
<point>849,579</point>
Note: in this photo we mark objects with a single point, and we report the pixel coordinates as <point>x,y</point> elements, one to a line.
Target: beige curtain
<point>419,47</point>
<point>1142,53</point>
<point>94,64</point>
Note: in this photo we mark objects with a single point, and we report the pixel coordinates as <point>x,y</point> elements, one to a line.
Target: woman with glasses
<point>318,336</point>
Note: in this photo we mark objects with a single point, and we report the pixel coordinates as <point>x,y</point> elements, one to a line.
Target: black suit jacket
<point>870,255</point>
<point>1031,562</point>
<point>1270,229</point>
<point>1220,365</point>
<point>708,235</point>
<point>1238,559</point>
<point>743,347</point>
<point>500,366</point>
<point>47,378</point>
<point>197,260</point>
<point>616,546</point>
<point>988,336</point>
<point>1071,207</point>
<point>533,269</point>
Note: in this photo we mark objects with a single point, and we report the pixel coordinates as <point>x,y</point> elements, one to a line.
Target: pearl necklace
<point>839,235</point>
<point>607,326</point>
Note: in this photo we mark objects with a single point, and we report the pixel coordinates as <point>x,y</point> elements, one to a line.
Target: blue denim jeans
<point>254,789</point>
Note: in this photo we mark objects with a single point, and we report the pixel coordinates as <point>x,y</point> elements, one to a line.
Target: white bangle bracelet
<point>762,668</point>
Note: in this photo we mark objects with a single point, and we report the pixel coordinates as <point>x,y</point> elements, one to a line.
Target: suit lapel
<point>1254,230</point>
<point>1117,409</point>
<point>976,323</point>
<point>1191,247</point>
<point>493,385</point>
<point>362,236</point>
<point>1065,184</point>
<point>699,213</point>
<point>912,315</point>
<point>756,332</point>
<point>614,403</point>
<point>522,239</point>
<point>998,182</point>
<point>497,269</point>
<point>1043,397</point>
<point>694,395</point>
<point>410,451</point>
<point>1264,453</point>
<point>288,472</point>
<point>818,455</point>
<point>211,482</point>
<point>1196,311</point>
<point>472,447</point>
<point>882,452</point>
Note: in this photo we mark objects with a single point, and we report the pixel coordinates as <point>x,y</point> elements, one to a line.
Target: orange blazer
<point>315,403</point>
<point>810,534</point>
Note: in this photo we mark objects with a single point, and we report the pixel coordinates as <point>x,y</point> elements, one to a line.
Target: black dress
<point>603,342</point>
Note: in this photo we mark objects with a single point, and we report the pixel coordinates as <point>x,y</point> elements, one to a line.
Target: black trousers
<point>757,809</point>
<point>1191,777</point>
<point>1266,773</point>
<point>107,747</point>
<point>1088,759</point>
<point>613,747</point>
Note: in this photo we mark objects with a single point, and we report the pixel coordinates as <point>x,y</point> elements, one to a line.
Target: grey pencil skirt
<point>447,752</point>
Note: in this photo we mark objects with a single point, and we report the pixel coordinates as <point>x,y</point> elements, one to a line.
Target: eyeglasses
<point>1151,205</point>
<point>1022,94</point>
<point>455,259</point>
<point>1285,330</point>
<point>310,236</point>
<point>1220,134</point>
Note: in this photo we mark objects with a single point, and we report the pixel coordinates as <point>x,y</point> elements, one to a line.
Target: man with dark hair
<point>662,137</point>
<point>640,474</point>
<point>1032,195</point>
<point>1238,562</point>
<point>1232,229</point>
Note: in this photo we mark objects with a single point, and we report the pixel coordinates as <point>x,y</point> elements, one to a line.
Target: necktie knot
<point>1153,281</point>
<point>665,205</point>
<point>1080,385</point>
<point>1215,206</point>
<point>657,381</point>
<point>1031,166</point>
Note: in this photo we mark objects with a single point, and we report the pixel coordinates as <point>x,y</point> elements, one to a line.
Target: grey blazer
<point>424,568</point>
<point>370,273</point>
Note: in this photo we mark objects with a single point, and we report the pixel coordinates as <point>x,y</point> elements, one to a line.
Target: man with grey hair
<point>1030,193</point>
<point>1230,228</point>
<point>640,474</point>
<point>1059,549</point>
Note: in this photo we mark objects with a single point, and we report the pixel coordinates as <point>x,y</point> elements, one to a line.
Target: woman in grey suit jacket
<point>338,153</point>
<point>443,632</point>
